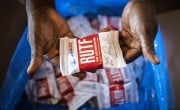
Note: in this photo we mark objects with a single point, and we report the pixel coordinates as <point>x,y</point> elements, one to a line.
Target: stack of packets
<point>116,84</point>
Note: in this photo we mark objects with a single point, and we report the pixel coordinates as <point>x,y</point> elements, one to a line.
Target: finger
<point>130,45</point>
<point>131,54</point>
<point>51,54</point>
<point>80,75</point>
<point>62,30</point>
<point>109,28</point>
<point>147,39</point>
<point>36,56</point>
<point>149,53</point>
<point>55,61</point>
<point>105,29</point>
<point>147,35</point>
<point>34,65</point>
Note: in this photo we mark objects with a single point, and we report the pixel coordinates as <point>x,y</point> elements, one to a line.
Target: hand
<point>45,27</point>
<point>139,27</point>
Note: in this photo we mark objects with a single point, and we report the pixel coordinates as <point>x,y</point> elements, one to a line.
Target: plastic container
<point>155,88</point>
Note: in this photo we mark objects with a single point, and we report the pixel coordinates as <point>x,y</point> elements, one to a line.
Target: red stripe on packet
<point>64,85</point>
<point>117,94</point>
<point>114,76</point>
<point>89,53</point>
<point>42,88</point>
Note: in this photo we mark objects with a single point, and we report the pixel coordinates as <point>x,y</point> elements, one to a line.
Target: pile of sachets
<point>112,81</point>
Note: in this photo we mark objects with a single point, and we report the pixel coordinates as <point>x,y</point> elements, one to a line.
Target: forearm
<point>38,5</point>
<point>162,6</point>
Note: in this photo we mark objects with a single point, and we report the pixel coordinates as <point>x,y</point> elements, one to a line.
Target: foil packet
<point>93,52</point>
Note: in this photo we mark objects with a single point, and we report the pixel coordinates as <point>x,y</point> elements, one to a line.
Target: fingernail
<point>30,71</point>
<point>34,65</point>
<point>156,60</point>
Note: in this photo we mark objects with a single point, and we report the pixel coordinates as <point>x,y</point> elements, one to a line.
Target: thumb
<point>148,49</point>
<point>34,65</point>
<point>147,34</point>
<point>149,53</point>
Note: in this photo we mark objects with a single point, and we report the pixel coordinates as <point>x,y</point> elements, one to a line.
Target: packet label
<point>42,87</point>
<point>111,76</point>
<point>89,53</point>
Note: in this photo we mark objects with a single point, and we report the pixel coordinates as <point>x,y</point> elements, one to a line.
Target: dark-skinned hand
<point>139,28</point>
